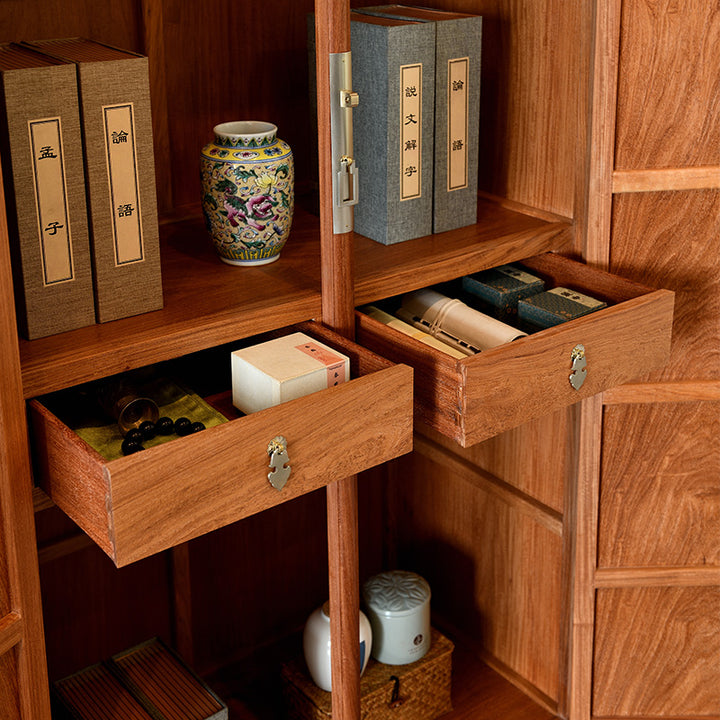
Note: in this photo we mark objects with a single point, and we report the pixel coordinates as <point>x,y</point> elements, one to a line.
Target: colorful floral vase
<point>247,177</point>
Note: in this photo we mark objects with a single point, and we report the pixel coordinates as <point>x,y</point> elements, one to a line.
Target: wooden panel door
<point>657,566</point>
<point>23,675</point>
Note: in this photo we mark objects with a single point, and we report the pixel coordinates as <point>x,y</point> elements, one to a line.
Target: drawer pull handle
<point>579,366</point>
<point>279,459</point>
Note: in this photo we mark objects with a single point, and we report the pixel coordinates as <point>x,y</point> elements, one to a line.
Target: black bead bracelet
<point>148,429</point>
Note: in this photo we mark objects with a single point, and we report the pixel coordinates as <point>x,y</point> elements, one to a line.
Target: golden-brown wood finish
<point>579,553</point>
<point>521,457</point>
<point>676,488</point>
<point>544,109</point>
<point>503,566</point>
<point>658,577</point>
<point>673,635</point>
<point>206,481</point>
<point>679,252</point>
<point>655,180</point>
<point>332,38</point>
<point>23,677</point>
<point>669,87</point>
<point>476,397</point>
<point>683,391</point>
<point>501,235</point>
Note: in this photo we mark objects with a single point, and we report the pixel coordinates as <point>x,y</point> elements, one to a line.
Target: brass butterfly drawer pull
<point>579,366</point>
<point>279,462</point>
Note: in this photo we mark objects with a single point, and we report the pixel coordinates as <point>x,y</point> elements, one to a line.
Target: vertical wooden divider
<point>332,35</point>
<point>154,48</point>
<point>17,521</point>
<point>593,217</point>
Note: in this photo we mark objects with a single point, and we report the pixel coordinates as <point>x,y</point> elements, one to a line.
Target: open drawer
<point>473,398</point>
<point>146,502</point>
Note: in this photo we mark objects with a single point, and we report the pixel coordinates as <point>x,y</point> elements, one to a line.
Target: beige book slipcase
<point>41,146</point>
<point>114,92</point>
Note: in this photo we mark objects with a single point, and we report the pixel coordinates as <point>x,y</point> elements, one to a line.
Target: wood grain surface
<point>667,662</point>
<point>502,234</point>
<point>527,458</point>
<point>669,85</point>
<point>679,251</point>
<point>131,518</point>
<point>675,488</point>
<point>494,570</point>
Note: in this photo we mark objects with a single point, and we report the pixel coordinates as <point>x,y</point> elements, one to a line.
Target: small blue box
<point>556,306</point>
<point>498,290</point>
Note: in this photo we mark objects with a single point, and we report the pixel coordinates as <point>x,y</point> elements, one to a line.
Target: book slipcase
<point>114,95</point>
<point>393,66</point>
<point>456,112</point>
<point>44,181</point>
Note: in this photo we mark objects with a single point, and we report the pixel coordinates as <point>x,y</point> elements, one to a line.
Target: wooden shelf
<point>232,303</point>
<point>207,303</point>
<point>502,235</point>
<point>252,689</point>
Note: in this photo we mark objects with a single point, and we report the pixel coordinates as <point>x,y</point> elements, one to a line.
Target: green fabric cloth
<point>172,400</point>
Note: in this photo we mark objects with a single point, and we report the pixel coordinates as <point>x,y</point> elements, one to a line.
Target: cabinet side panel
<point>8,686</point>
<point>660,488</point>
<point>667,119</point>
<point>4,577</point>
<point>670,240</point>
<point>530,458</point>
<point>250,60</point>
<point>531,87</point>
<point>494,570</point>
<point>667,661</point>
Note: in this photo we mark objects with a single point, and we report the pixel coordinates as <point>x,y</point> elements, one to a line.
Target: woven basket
<point>418,691</point>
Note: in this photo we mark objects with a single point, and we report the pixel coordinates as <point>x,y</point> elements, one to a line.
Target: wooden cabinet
<point>501,505</point>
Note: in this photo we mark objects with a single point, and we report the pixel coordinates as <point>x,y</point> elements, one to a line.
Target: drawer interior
<point>479,395</point>
<point>138,504</point>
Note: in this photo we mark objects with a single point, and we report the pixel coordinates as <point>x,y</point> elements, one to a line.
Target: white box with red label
<point>283,369</point>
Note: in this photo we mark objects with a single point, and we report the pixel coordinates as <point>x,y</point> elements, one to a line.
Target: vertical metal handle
<point>344,168</point>
<point>279,462</point>
<point>578,366</point>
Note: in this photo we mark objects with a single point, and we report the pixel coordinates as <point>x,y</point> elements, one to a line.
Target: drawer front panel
<point>530,377</point>
<point>221,475</point>
<point>474,398</point>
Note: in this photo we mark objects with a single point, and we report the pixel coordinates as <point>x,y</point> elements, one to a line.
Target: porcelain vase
<point>316,645</point>
<point>247,177</point>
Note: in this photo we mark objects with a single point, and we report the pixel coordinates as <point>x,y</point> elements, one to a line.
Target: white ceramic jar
<point>316,645</point>
<point>398,605</point>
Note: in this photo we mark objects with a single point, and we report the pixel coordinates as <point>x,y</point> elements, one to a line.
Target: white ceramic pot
<point>398,604</point>
<point>316,645</point>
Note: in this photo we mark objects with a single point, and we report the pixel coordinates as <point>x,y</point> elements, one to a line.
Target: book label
<point>51,200</point>
<point>410,131</point>
<point>458,73</point>
<point>121,157</point>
